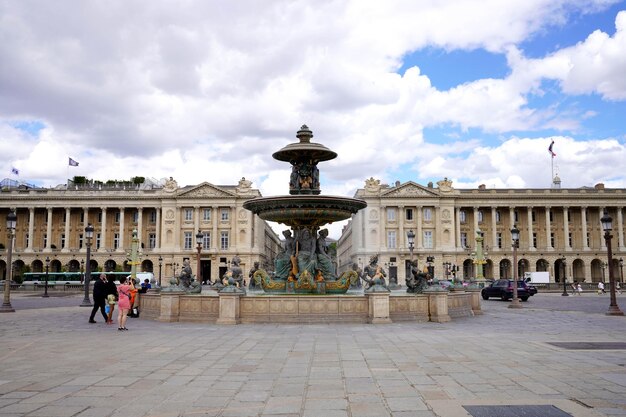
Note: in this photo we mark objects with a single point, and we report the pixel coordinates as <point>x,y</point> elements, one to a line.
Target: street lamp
<point>515,236</point>
<point>410,235</point>
<point>160,265</point>
<point>88,235</point>
<point>199,237</point>
<point>45,291</point>
<point>11,224</point>
<point>565,294</point>
<point>607,225</point>
<point>82,271</point>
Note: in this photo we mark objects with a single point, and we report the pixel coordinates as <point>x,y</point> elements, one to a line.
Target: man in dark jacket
<point>99,298</point>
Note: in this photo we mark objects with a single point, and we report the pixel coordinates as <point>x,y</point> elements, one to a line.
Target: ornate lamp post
<point>411,238</point>
<point>160,266</point>
<point>45,291</point>
<point>88,235</point>
<point>11,224</point>
<point>515,237</point>
<point>82,271</point>
<point>565,294</point>
<point>607,225</point>
<point>199,237</point>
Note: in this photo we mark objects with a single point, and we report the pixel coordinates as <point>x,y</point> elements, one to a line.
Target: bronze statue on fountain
<point>304,265</point>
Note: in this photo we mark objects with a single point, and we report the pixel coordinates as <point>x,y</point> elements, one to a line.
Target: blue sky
<point>471,90</point>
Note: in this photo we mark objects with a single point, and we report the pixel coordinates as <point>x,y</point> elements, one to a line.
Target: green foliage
<point>80,180</point>
<point>138,180</point>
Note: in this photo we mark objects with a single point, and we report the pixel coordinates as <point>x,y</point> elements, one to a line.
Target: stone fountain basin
<point>304,210</point>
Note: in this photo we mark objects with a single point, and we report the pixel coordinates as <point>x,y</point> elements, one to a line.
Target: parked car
<point>503,289</point>
<point>532,290</point>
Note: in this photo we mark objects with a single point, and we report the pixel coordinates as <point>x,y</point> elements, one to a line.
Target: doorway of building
<point>205,271</point>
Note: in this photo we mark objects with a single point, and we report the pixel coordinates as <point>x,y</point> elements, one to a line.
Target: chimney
<point>599,186</point>
<point>482,187</point>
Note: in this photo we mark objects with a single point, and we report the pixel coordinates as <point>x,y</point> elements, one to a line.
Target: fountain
<point>304,267</point>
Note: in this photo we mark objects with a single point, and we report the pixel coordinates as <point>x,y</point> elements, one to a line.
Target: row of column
<point>103,231</point>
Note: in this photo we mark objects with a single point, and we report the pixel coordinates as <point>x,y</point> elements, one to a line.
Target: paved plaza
<point>54,363</point>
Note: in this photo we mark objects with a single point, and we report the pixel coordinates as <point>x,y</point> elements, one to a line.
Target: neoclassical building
<point>51,223</point>
<point>560,230</point>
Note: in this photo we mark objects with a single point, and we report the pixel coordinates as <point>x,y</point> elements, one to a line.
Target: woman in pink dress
<point>123,303</point>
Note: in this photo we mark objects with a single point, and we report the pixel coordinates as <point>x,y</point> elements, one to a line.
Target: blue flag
<point>73,163</point>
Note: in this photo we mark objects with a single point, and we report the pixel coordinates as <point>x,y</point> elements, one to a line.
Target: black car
<point>532,290</point>
<point>503,289</point>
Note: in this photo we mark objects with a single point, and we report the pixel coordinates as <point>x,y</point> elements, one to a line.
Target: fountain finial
<point>304,134</point>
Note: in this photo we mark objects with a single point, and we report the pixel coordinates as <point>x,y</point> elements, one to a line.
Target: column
<point>140,225</point>
<point>602,241</point>
<point>158,228</point>
<point>511,224</point>
<point>548,229</point>
<point>583,217</point>
<point>214,236</point>
<point>494,232</point>
<point>620,228</point>
<point>103,230</point>
<point>475,214</point>
<point>419,238</point>
<point>121,230</point>
<point>196,222</point>
<point>566,245</point>
<point>68,216</point>
<point>457,225</point>
<point>531,245</point>
<point>31,228</point>
<point>402,237</point>
<point>49,230</point>
<point>382,242</point>
<point>437,234</point>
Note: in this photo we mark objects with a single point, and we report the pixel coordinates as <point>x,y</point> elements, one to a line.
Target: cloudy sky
<point>472,90</point>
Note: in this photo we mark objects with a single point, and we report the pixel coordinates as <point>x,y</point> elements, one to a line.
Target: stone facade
<point>555,225</point>
<point>51,223</point>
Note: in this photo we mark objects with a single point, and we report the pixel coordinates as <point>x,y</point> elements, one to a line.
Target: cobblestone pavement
<point>54,363</point>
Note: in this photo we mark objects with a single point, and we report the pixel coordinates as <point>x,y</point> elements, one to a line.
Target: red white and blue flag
<point>73,163</point>
<point>550,149</point>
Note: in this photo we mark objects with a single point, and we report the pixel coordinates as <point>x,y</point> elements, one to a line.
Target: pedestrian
<point>574,287</point>
<point>111,297</point>
<point>618,288</point>
<point>99,298</point>
<point>123,290</point>
<point>601,288</point>
<point>145,286</point>
<point>579,288</point>
<point>133,297</point>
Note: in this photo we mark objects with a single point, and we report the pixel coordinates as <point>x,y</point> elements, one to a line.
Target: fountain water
<point>304,266</point>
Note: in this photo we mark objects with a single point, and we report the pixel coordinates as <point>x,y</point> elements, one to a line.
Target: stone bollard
<point>170,306</point>
<point>475,300</point>
<point>230,300</point>
<point>378,304</point>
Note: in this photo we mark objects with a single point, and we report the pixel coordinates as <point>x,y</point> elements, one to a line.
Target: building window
<point>98,240</point>
<point>499,240</point>
<point>515,216</point>
<point>550,215</point>
<point>188,214</point>
<point>65,216</point>
<point>45,240</point>
<point>409,214</point>
<point>116,240</point>
<point>497,216</point>
<point>224,240</point>
<point>462,216</point>
<point>552,240</point>
<point>62,240</point>
<point>27,239</point>
<point>569,237</point>
<point>206,214</point>
<point>136,217</point>
<point>99,217</point>
<point>82,217</point>
<point>117,216</point>
<point>463,240</point>
<point>480,216</point>
<point>152,240</point>
<point>532,213</point>
<point>391,214</point>
<point>153,216</point>
<point>80,241</point>
<point>188,240</point>
<point>224,214</point>
<point>428,214</point>
<point>391,239</point>
<point>534,240</point>
<point>588,239</point>
<point>428,239</point>
<point>206,240</point>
